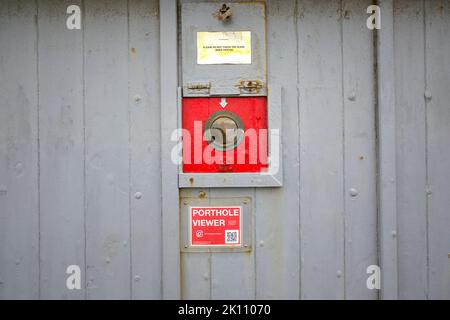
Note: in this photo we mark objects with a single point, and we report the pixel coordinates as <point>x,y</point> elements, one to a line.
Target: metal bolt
<point>138,195</point>
<point>352,96</point>
<point>394,234</point>
<point>185,246</point>
<point>261,243</point>
<point>224,13</point>
<point>353,192</point>
<point>339,273</point>
<point>428,94</point>
<point>245,245</point>
<point>347,14</point>
<point>137,98</point>
<point>137,278</point>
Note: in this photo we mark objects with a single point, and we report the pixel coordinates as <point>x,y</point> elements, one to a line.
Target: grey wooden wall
<point>80,163</point>
<point>81,144</point>
<point>422,81</point>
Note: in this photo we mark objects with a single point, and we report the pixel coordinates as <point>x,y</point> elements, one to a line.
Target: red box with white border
<point>215,226</point>
<point>249,112</point>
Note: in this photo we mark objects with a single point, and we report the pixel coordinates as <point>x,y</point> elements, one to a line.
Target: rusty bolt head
<point>224,13</point>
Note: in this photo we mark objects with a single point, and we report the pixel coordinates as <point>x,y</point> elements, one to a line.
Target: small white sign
<point>224,47</point>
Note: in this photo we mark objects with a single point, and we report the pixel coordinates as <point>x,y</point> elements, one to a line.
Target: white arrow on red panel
<point>223,102</point>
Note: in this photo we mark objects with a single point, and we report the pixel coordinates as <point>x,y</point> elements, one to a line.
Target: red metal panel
<point>198,154</point>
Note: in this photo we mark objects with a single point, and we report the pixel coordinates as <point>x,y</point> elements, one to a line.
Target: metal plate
<point>274,175</point>
<point>246,222</point>
<point>223,79</point>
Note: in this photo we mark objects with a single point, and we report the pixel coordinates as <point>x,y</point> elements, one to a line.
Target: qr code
<point>231,236</point>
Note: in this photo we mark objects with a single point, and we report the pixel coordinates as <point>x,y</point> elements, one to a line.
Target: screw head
<point>352,96</point>
<point>353,192</point>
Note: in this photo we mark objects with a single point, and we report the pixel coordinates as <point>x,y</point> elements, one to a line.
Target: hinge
<point>250,86</point>
<point>198,88</point>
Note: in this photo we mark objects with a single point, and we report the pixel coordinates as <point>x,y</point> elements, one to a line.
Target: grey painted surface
<point>169,122</point>
<point>387,174</point>
<point>145,159</point>
<point>61,126</point>
<point>86,178</point>
<point>69,175</point>
<point>422,47</point>
<point>197,16</point>
<point>19,152</point>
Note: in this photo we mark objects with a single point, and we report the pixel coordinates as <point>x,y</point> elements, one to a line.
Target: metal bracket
<point>250,86</point>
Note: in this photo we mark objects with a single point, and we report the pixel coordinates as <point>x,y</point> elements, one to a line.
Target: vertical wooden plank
<point>169,170</point>
<point>61,150</point>
<point>145,161</point>
<point>437,60</point>
<point>19,213</point>
<point>321,135</point>
<point>196,276</point>
<point>195,266</point>
<point>359,150</point>
<point>411,149</point>
<point>232,273</point>
<point>107,143</point>
<point>232,276</point>
<point>277,216</point>
<point>387,193</point>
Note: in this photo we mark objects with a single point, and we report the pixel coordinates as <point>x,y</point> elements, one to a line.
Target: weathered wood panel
<point>145,149</point>
<point>86,176</point>
<point>386,151</point>
<point>321,150</point>
<point>359,149</point>
<point>437,61</point>
<point>107,150</point>
<point>196,276</point>
<point>411,148</point>
<point>169,172</point>
<point>276,225</point>
<point>19,160</point>
<point>61,138</point>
